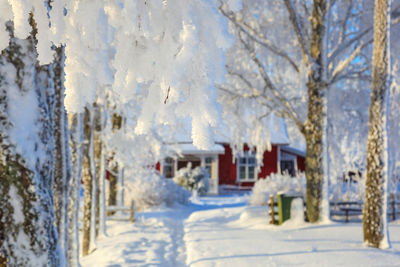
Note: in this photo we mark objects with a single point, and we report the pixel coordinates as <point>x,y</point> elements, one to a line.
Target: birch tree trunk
<point>97,158</point>
<point>27,232</point>
<point>87,182</point>
<point>314,126</point>
<point>100,153</point>
<point>76,144</point>
<point>375,203</point>
<point>93,173</point>
<point>113,177</point>
<point>62,164</point>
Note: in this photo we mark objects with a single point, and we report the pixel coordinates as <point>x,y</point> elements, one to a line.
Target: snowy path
<point>155,239</point>
<point>222,231</point>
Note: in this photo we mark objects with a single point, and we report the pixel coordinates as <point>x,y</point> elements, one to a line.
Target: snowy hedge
<point>195,180</point>
<point>155,190</point>
<point>275,183</point>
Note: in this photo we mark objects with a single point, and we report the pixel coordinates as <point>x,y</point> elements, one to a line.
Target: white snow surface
<point>224,231</point>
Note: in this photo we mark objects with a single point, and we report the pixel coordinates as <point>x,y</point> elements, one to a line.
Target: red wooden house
<point>235,170</point>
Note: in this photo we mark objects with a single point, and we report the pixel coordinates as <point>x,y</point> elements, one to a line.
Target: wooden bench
<point>129,209</point>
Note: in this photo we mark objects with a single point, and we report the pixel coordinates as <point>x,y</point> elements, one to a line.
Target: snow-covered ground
<point>224,231</point>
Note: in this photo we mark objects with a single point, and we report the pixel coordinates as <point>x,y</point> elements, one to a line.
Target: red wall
<point>158,166</point>
<point>270,162</point>
<point>301,163</point>
<point>227,169</point>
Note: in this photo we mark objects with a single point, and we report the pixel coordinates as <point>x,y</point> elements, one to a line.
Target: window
<point>287,166</point>
<point>168,167</point>
<point>288,163</point>
<point>208,165</point>
<point>247,167</point>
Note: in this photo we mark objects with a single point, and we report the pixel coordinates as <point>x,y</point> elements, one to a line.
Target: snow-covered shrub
<point>156,190</point>
<point>271,185</point>
<point>195,180</point>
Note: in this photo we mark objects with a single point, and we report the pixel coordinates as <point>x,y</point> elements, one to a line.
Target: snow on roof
<point>294,150</point>
<point>222,134</point>
<point>189,148</point>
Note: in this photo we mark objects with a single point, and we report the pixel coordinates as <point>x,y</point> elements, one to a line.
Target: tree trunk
<point>27,233</point>
<point>87,182</point>
<point>76,141</point>
<point>94,180</point>
<point>375,203</point>
<point>112,193</point>
<point>113,177</point>
<point>62,165</point>
<point>314,130</point>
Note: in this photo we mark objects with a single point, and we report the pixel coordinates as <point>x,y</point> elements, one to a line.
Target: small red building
<point>235,170</point>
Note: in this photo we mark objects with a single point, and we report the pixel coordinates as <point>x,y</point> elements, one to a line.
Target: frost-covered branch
<point>342,65</point>
<point>345,44</point>
<point>301,35</point>
<point>256,36</point>
<point>289,111</point>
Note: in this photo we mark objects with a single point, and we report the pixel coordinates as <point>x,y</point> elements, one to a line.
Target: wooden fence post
<point>271,209</point>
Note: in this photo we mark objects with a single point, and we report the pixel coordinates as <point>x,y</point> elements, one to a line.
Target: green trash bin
<point>284,205</point>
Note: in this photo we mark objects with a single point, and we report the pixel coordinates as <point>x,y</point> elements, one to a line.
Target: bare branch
<point>299,31</point>
<point>346,62</point>
<point>258,37</point>
<point>342,46</point>
<point>270,85</point>
<point>344,23</point>
<point>353,75</point>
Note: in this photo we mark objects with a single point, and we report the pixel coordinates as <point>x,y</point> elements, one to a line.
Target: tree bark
<point>62,164</point>
<point>112,197</point>
<point>375,203</point>
<point>314,130</point>
<point>26,195</point>
<point>97,158</point>
<point>87,182</point>
<point>76,144</point>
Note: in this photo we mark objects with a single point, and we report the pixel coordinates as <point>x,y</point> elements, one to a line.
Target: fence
<point>111,210</point>
<point>346,209</point>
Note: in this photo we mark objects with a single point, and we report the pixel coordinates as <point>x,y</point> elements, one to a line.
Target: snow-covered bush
<point>275,183</point>
<point>155,190</point>
<point>195,180</point>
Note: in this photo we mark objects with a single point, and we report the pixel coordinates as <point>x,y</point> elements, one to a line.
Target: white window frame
<point>246,155</point>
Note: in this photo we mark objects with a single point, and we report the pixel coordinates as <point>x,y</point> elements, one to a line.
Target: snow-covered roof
<point>189,148</point>
<point>222,134</point>
<point>293,150</point>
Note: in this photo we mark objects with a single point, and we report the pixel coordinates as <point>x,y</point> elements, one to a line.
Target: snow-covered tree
<point>76,145</point>
<point>62,160</point>
<point>153,60</point>
<point>375,204</point>
<point>27,230</point>
<point>287,55</point>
